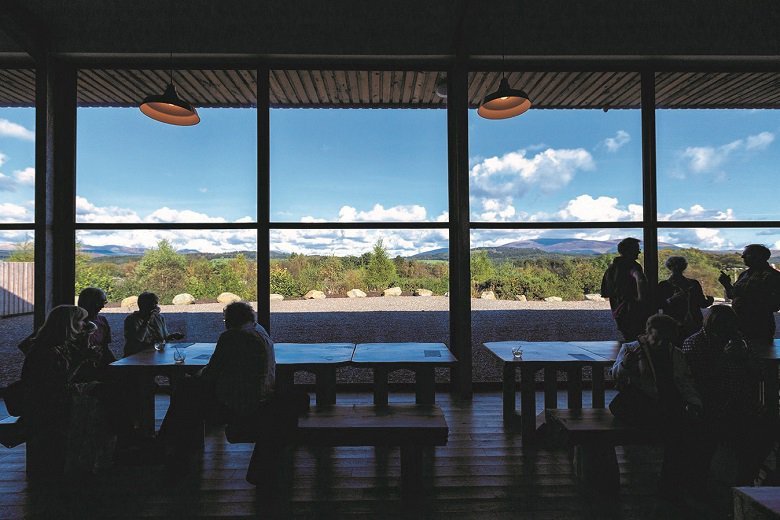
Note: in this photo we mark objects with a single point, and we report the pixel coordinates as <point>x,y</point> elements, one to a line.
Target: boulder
<point>356,293</point>
<point>553,299</point>
<point>488,295</point>
<point>131,302</point>
<point>521,298</point>
<point>314,295</point>
<point>228,297</point>
<point>183,299</point>
<point>423,292</point>
<point>392,291</point>
<point>447,294</point>
<point>275,297</point>
<point>594,297</point>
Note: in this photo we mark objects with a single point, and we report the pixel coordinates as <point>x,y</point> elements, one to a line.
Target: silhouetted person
<point>727,375</point>
<point>682,298</point>
<point>755,296</point>
<point>656,392</point>
<point>146,326</point>
<point>93,300</point>
<point>625,285</point>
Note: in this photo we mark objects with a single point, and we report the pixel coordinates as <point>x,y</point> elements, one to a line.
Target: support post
<point>263,200</point>
<point>649,184</point>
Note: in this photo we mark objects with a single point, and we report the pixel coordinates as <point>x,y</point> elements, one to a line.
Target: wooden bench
<point>594,433</point>
<point>412,427</point>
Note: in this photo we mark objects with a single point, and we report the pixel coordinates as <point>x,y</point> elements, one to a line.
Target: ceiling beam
<point>23,27</point>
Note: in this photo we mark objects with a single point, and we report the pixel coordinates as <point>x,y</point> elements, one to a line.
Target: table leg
<point>597,386</point>
<point>325,386</point>
<point>425,385</point>
<point>508,388</point>
<point>411,471</point>
<point>145,390</point>
<point>550,387</point>
<point>574,385</point>
<point>380,386</point>
<point>527,403</point>
<point>284,378</point>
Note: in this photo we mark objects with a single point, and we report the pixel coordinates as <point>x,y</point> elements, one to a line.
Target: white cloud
<point>698,212</point>
<point>513,174</point>
<point>203,190</point>
<point>88,212</point>
<point>378,213</point>
<point>700,238</point>
<point>607,209</point>
<point>166,215</point>
<point>11,129</point>
<point>14,213</point>
<point>7,183</point>
<point>613,144</point>
<point>26,176</point>
<point>709,159</point>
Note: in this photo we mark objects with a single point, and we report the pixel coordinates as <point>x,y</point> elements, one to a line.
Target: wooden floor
<point>484,472</point>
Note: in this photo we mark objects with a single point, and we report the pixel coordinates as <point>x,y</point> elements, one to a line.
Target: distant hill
<point>528,249</point>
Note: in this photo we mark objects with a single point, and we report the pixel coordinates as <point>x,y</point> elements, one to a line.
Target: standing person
<point>93,300</point>
<point>625,285</point>
<point>755,295</point>
<point>727,375</point>
<point>656,392</point>
<point>146,326</point>
<point>682,298</point>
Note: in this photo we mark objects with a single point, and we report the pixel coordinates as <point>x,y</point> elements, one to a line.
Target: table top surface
<point>769,351</point>
<point>197,355</point>
<point>403,353</point>
<point>313,353</point>
<point>769,497</point>
<point>555,352</point>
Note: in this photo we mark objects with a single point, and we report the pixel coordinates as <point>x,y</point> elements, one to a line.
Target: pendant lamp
<point>169,108</point>
<point>504,103</point>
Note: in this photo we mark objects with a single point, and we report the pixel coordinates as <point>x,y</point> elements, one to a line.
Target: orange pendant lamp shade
<point>504,103</point>
<point>170,108</point>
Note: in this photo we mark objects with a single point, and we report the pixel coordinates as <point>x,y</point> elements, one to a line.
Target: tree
<point>24,252</point>
<point>163,271</point>
<point>380,271</point>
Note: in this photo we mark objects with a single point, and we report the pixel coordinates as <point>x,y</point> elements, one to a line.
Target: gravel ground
<point>404,318</point>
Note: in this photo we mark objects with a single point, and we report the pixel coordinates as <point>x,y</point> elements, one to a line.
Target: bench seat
<point>594,433</point>
<point>411,427</point>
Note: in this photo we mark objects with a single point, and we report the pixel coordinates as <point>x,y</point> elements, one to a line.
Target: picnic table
<point>759,503</point>
<point>321,359</point>
<point>549,357</point>
<point>422,358</point>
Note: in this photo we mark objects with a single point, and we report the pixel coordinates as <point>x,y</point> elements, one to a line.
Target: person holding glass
<point>93,300</point>
<point>146,328</point>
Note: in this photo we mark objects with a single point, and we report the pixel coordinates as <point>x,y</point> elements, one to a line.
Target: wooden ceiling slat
<point>367,88</point>
<point>376,86</point>
<point>353,87</point>
<point>319,86</point>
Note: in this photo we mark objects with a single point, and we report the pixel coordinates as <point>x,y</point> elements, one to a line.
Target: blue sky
<point>391,165</point>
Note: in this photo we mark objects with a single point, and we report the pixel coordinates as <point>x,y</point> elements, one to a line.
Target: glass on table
<point>517,352</point>
<point>179,355</point>
<point>159,346</point>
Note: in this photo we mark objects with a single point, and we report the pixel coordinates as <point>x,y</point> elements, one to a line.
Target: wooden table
<point>550,356</point>
<point>321,359</point>
<point>422,358</point>
<point>759,503</point>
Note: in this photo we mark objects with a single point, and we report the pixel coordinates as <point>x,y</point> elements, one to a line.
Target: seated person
<point>53,374</point>
<point>728,375</point>
<point>656,392</point>
<point>146,326</point>
<point>236,386</point>
<point>93,300</point>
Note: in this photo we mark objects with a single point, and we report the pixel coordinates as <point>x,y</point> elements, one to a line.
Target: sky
<point>344,165</point>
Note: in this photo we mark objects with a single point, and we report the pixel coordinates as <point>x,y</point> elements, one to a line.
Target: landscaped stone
<point>275,297</point>
<point>719,300</point>
<point>228,297</point>
<point>183,299</point>
<point>521,298</point>
<point>594,297</point>
<point>392,291</point>
<point>488,295</point>
<point>423,292</point>
<point>131,302</point>
<point>356,293</point>
<point>314,295</point>
<point>447,294</point>
<point>553,299</point>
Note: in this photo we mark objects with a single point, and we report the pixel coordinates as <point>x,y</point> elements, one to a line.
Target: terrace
<point>329,130</point>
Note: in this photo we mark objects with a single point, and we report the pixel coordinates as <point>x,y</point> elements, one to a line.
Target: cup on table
<point>517,352</point>
<point>179,356</point>
<point>159,346</point>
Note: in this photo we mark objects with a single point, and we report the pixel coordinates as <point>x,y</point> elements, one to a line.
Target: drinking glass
<point>179,356</point>
<point>517,352</point>
<point>159,346</point>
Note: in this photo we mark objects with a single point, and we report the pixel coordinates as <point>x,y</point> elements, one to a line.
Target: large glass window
<point>17,165</point>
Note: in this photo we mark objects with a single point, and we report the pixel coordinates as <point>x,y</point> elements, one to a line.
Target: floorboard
<point>484,472</point>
